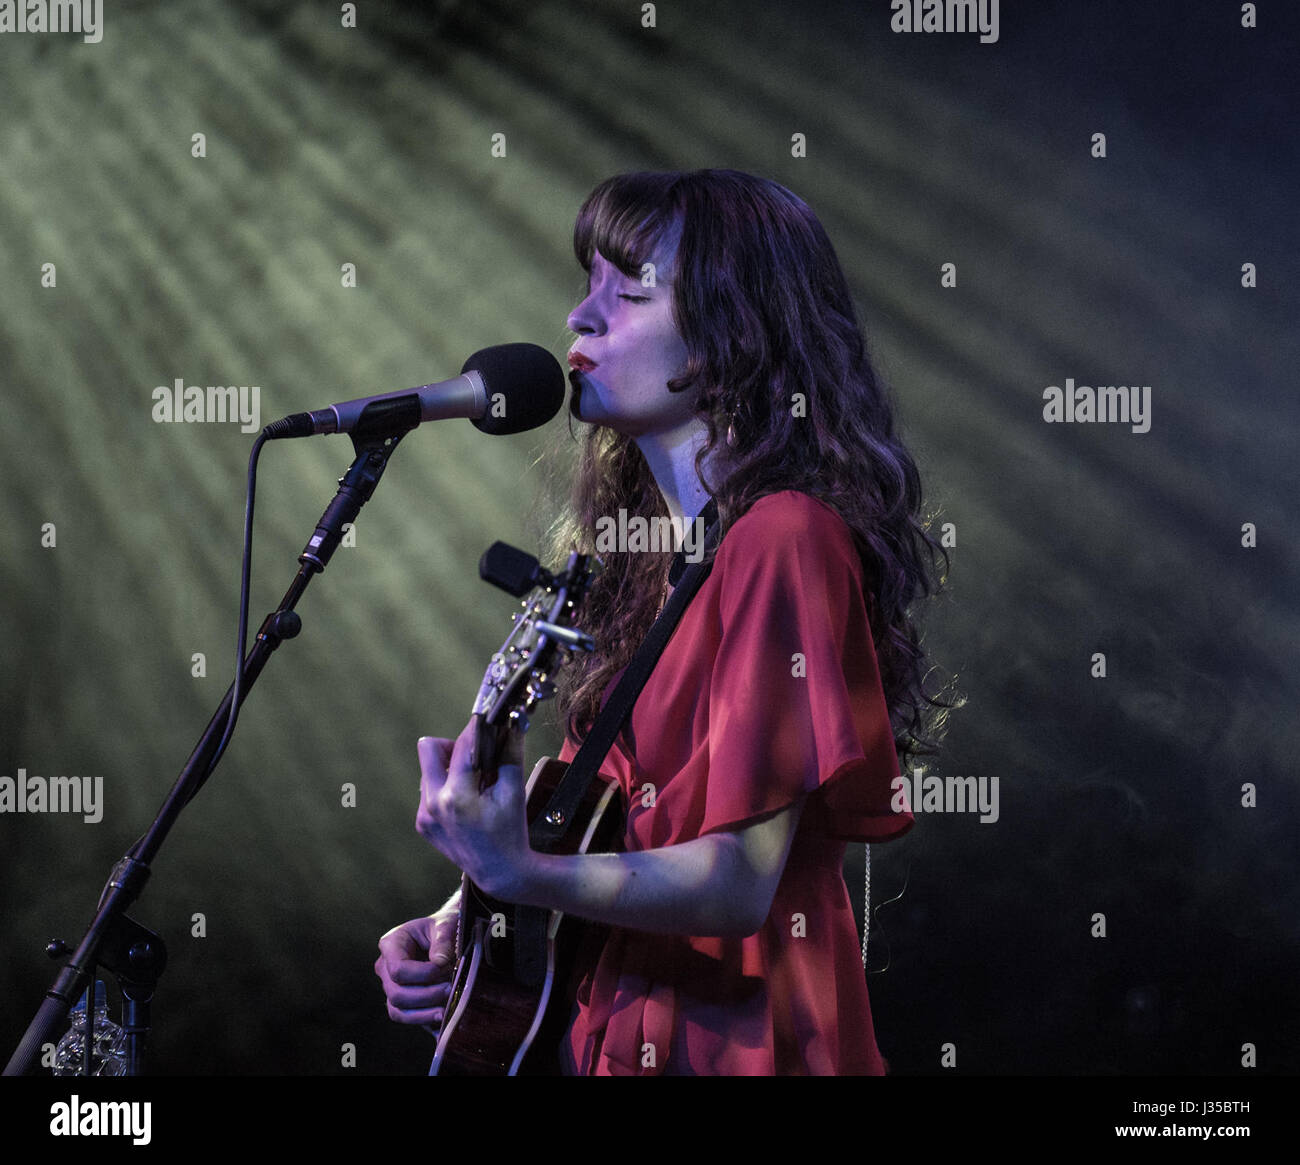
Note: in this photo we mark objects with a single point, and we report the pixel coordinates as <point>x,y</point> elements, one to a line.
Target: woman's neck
<point>671,458</point>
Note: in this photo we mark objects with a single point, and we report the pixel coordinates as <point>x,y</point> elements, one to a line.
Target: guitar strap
<point>549,827</point>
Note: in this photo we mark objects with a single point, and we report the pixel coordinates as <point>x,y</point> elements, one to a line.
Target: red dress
<point>768,690</point>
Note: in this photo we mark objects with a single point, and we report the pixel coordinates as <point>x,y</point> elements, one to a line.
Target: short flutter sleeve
<point>795,704</point>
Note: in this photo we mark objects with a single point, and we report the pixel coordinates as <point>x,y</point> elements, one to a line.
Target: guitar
<point>510,990</point>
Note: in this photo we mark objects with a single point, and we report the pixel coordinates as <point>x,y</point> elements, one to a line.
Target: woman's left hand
<point>485,834</point>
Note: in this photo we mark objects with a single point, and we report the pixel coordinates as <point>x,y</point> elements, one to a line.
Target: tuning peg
<point>542,688</point>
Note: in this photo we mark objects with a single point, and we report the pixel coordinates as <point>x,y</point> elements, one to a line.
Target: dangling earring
<point>731,431</point>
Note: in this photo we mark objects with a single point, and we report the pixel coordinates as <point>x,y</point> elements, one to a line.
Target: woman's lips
<point>580,363</point>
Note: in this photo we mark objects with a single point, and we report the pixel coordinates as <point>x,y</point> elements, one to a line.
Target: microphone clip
<point>382,425</point>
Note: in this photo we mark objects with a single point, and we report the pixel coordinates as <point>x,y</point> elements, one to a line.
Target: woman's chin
<point>585,406</point>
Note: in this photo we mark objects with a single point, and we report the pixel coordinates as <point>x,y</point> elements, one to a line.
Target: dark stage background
<point>326,145</point>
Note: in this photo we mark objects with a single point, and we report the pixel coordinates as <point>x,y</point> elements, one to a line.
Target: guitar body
<point>512,990</point>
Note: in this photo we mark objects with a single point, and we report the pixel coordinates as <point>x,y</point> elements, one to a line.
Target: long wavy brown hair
<point>791,402</point>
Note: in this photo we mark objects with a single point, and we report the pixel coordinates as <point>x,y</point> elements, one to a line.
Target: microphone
<point>509,388</point>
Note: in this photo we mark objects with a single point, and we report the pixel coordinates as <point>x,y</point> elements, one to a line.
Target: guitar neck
<point>489,747</point>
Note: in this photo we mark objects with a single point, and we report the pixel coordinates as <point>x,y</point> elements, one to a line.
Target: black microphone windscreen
<point>525,387</point>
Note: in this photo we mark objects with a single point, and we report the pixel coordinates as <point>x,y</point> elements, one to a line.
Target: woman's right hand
<point>415,964</point>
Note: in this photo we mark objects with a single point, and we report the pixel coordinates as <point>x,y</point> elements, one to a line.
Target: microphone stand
<point>113,940</point>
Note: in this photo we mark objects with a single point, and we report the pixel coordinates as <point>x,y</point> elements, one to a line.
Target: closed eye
<point>635,298</point>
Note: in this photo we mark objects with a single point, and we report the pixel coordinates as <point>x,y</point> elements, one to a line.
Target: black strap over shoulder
<point>550,826</point>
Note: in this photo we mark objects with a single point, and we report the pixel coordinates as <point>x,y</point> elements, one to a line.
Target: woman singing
<point>722,371</point>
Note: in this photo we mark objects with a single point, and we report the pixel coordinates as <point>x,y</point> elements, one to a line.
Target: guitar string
<point>907,877</point>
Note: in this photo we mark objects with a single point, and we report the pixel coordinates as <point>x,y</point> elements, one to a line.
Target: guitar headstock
<point>544,635</point>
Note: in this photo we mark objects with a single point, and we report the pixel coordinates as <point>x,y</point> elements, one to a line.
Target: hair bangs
<point>626,218</point>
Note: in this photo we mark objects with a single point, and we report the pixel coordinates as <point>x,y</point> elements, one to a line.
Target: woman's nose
<point>586,318</point>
